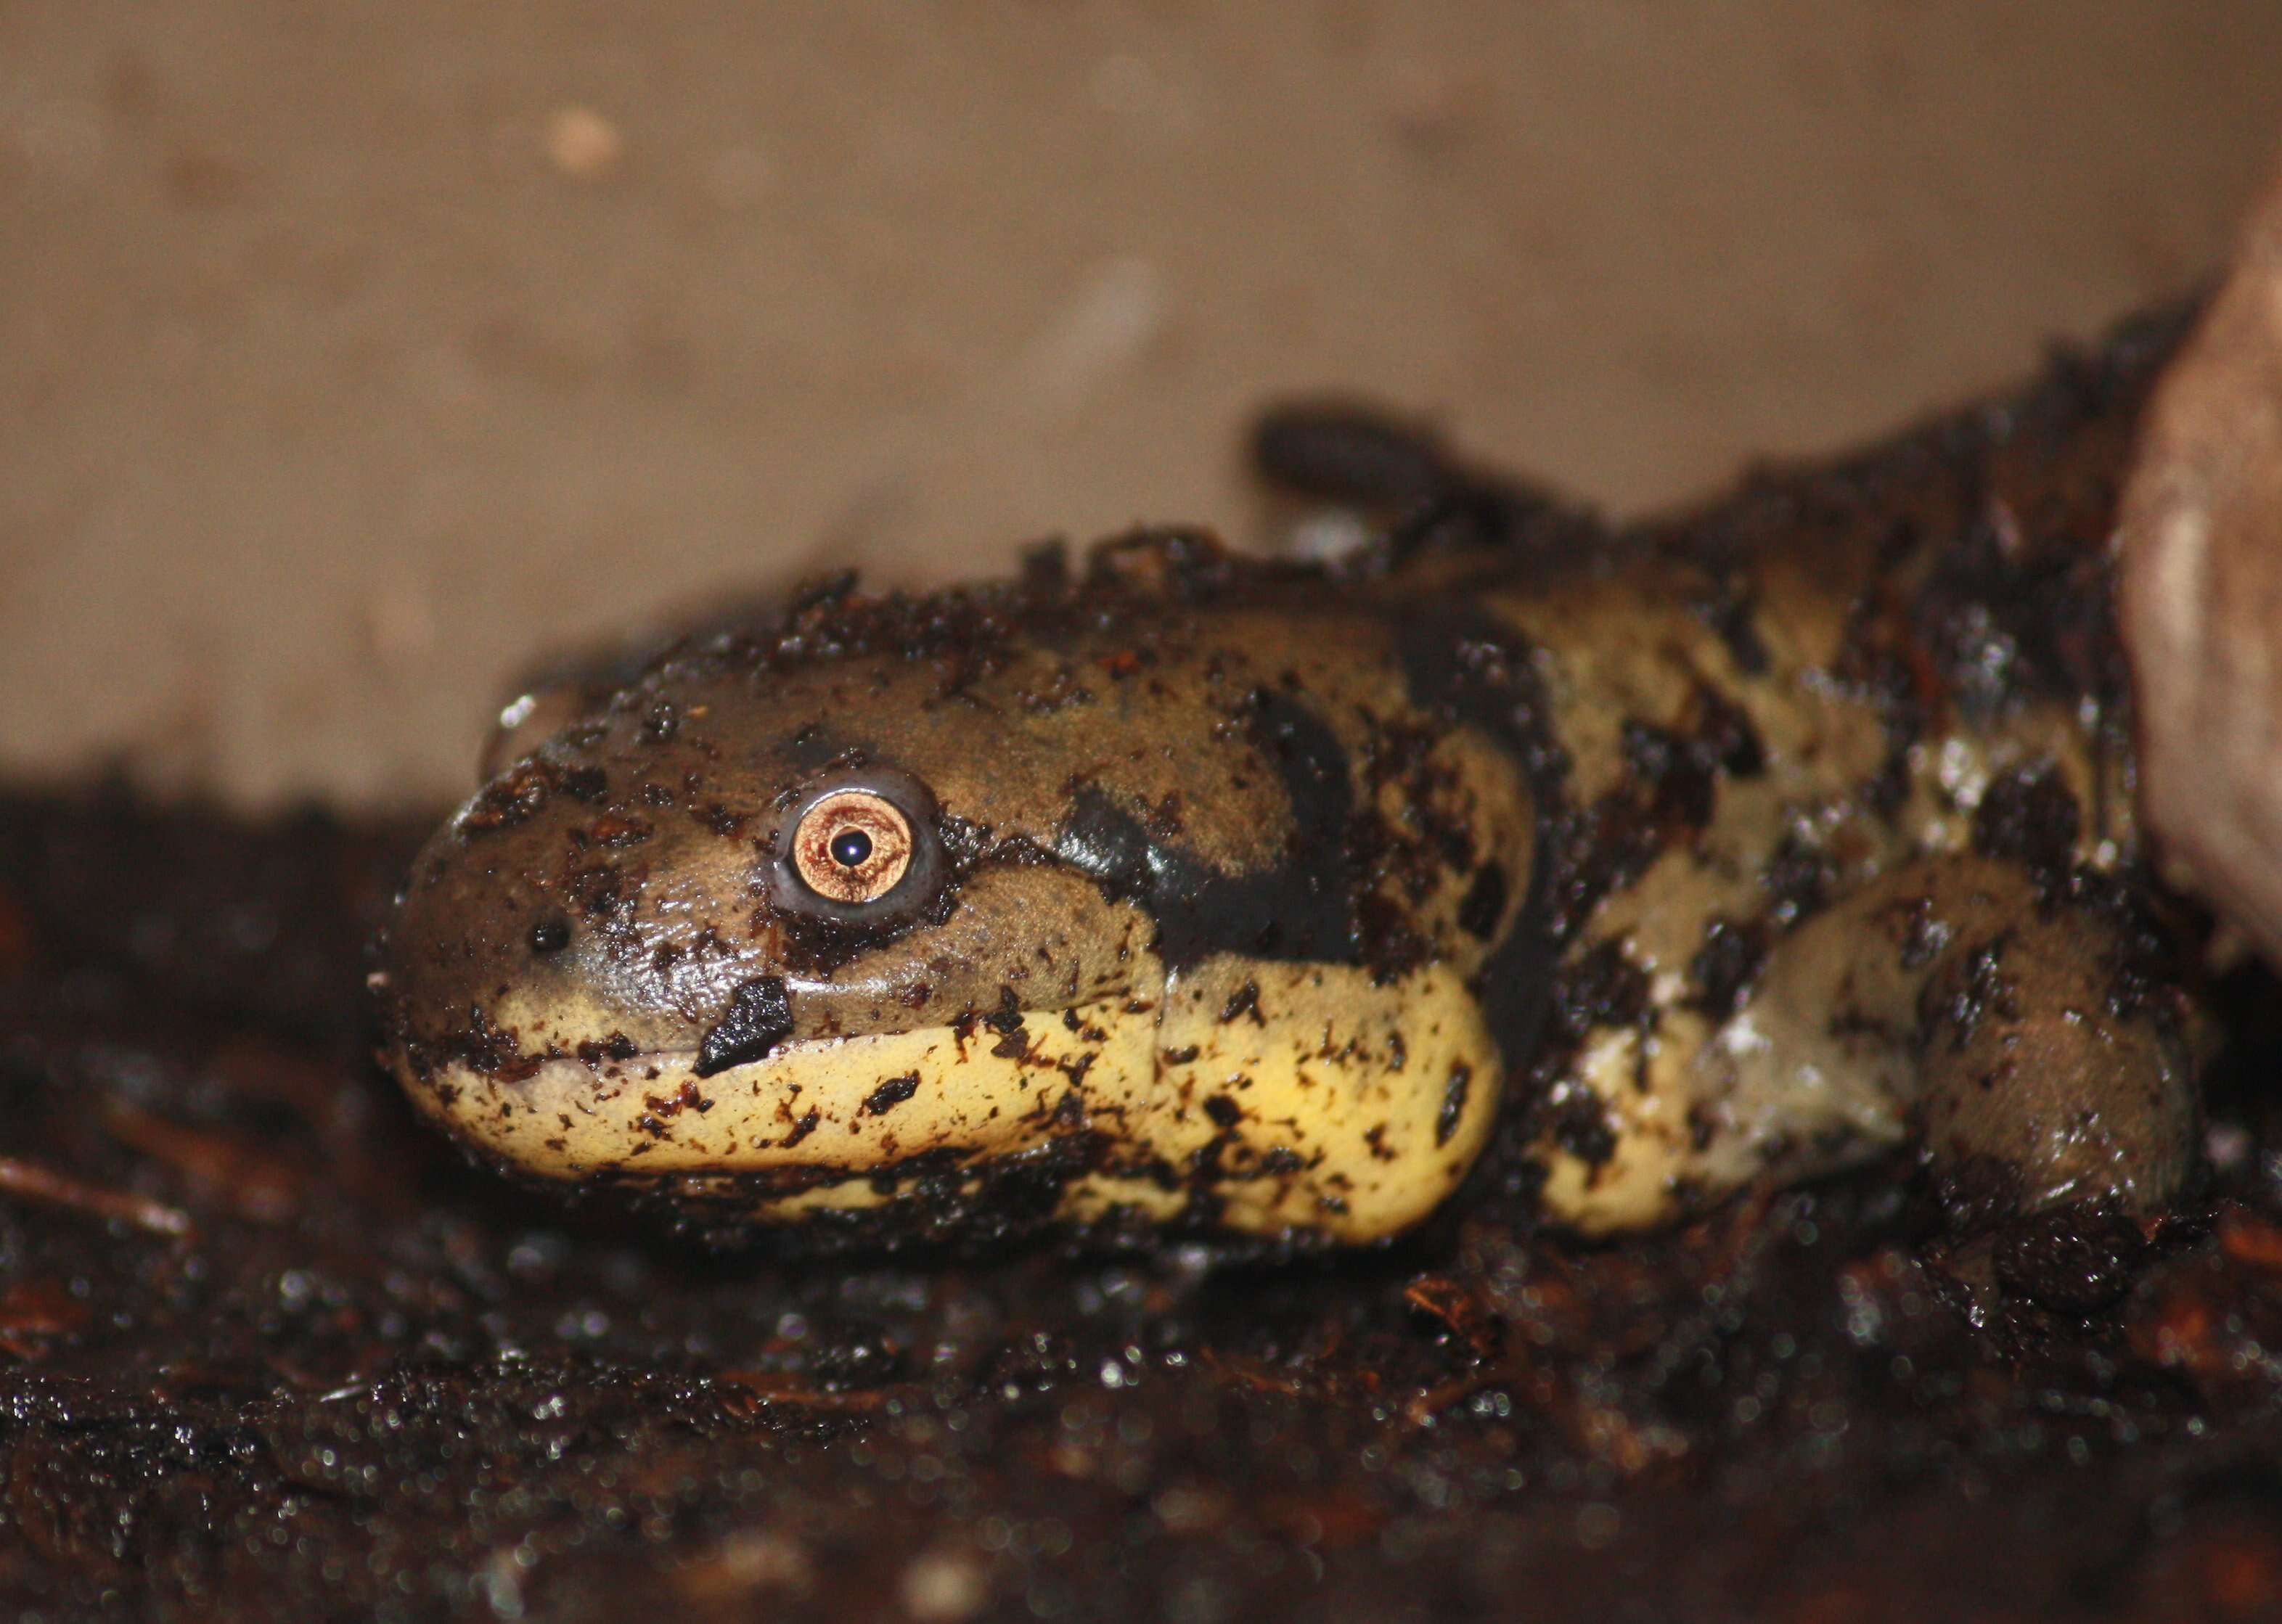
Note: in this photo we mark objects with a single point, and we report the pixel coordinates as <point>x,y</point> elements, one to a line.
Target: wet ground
<point>270,1350</point>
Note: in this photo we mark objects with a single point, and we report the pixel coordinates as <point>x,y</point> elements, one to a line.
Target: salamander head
<point>768,939</point>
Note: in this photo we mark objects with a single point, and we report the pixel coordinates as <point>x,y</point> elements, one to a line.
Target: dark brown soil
<point>269,1350</point>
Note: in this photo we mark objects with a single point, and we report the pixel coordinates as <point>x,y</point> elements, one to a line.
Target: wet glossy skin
<point>1249,900</point>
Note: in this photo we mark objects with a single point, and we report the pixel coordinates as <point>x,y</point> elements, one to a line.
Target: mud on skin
<point>1181,891</point>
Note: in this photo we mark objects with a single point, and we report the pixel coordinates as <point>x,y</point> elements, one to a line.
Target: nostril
<point>550,934</point>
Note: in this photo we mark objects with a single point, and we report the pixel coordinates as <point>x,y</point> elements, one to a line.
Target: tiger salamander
<point>1180,890</point>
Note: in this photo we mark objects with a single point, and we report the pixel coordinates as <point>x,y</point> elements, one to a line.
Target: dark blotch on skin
<point>513,799</point>
<point>759,1018</point>
<point>1582,1128</point>
<point>1460,663</point>
<point>722,821</point>
<point>1302,908</point>
<point>551,934</point>
<point>1604,987</point>
<point>1670,795</point>
<point>616,1046</point>
<point>1455,1090</point>
<point>1679,774</point>
<point>1483,906</point>
<point>491,1050</point>
<point>1723,967</point>
<point>891,1093</point>
<point>801,1129</point>
<point>2029,815</point>
<point>612,830</point>
<point>1997,619</point>
<point>1733,614</point>
<point>586,783</point>
<point>1798,878</point>
<point>1243,1000</point>
<point>1726,734</point>
<point>1225,1112</point>
<point>1006,1021</point>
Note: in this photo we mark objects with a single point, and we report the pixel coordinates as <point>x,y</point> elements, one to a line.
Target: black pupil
<point>851,847</point>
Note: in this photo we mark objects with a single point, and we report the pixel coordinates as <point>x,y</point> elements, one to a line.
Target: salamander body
<point>1175,889</point>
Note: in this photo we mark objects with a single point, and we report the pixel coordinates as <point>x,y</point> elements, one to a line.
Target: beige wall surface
<point>351,354</point>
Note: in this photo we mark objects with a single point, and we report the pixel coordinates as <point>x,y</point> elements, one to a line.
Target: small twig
<point>31,1183</point>
<point>256,1185</point>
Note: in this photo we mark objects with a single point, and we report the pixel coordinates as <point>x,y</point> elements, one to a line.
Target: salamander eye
<point>853,846</point>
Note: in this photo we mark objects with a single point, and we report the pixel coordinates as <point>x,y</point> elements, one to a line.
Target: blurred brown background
<point>351,355</point>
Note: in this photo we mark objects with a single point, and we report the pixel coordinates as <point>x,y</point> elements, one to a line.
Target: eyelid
<point>925,866</point>
<point>889,843</point>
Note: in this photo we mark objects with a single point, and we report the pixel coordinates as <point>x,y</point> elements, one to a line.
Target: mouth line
<point>612,1049</point>
<point>599,1055</point>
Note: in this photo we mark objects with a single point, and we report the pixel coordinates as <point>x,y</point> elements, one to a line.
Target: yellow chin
<point>1324,1104</point>
<point>855,1105</point>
